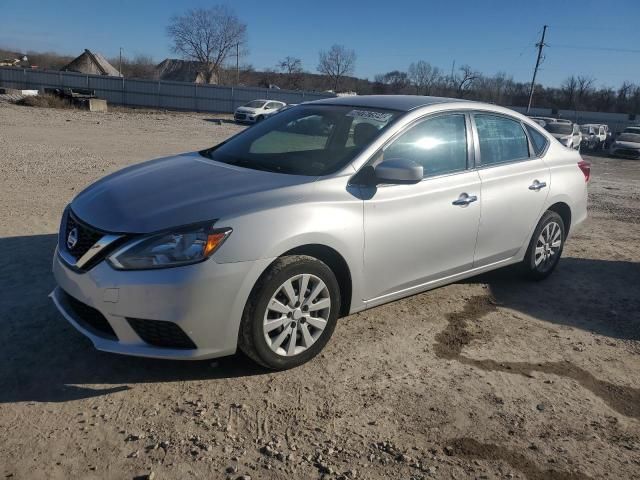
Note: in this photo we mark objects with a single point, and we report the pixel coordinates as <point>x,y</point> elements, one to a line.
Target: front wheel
<point>545,247</point>
<point>291,313</point>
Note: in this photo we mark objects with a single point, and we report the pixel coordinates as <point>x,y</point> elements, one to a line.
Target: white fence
<point>151,93</point>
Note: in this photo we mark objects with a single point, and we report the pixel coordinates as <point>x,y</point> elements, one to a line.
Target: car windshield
<point>255,104</point>
<point>565,128</point>
<point>586,129</point>
<point>305,140</point>
<point>630,137</point>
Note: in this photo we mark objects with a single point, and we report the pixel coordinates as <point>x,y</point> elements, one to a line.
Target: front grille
<point>86,236</point>
<point>89,317</point>
<point>240,116</point>
<point>160,333</point>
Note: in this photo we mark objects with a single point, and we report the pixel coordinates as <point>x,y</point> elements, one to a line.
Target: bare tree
<point>423,76</point>
<point>465,79</point>
<point>291,67</point>
<point>337,63</point>
<point>208,36</point>
<point>141,66</point>
<point>569,89</point>
<point>395,81</point>
<point>584,88</point>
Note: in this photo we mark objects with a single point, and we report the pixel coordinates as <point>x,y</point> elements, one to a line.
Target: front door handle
<point>536,185</point>
<point>464,200</point>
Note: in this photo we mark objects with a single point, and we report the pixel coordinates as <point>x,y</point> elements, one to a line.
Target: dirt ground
<point>495,377</point>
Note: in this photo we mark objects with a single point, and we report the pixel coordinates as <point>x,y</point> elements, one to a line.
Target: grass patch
<point>44,101</point>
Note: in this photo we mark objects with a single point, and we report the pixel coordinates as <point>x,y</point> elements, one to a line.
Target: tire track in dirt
<point>470,448</point>
<point>451,341</point>
<point>449,345</point>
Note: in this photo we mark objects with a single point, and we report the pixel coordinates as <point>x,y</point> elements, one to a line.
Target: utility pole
<point>237,63</point>
<point>120,66</point>
<point>540,46</point>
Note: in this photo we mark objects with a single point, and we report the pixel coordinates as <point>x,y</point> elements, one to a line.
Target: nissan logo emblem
<point>72,238</point>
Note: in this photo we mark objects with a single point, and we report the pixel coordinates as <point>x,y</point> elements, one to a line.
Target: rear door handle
<point>536,185</point>
<point>464,200</point>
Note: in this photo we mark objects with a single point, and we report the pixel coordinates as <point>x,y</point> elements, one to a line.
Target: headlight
<point>182,246</point>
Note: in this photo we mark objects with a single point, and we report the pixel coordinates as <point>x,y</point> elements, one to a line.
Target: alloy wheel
<point>296,314</point>
<point>548,246</point>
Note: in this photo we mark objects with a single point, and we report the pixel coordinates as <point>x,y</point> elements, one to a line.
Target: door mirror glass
<point>398,171</point>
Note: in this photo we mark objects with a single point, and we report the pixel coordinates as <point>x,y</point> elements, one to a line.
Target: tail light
<point>585,167</point>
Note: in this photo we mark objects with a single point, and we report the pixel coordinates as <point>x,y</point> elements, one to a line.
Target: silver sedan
<point>331,207</point>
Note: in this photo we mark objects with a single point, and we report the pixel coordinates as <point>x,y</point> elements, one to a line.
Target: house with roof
<point>92,63</point>
<point>175,70</point>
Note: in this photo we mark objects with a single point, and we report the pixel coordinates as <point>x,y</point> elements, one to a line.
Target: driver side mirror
<point>398,171</point>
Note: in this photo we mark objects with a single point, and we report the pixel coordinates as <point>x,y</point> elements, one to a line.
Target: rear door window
<point>502,139</point>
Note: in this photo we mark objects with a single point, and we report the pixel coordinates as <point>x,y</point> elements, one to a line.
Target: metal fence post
<point>195,96</point>
<point>233,100</point>
<point>158,95</point>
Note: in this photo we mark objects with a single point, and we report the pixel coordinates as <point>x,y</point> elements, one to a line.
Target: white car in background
<point>594,136</point>
<point>627,144</point>
<point>257,110</point>
<point>567,134</point>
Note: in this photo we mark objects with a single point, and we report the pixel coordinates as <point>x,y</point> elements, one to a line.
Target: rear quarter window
<point>538,140</point>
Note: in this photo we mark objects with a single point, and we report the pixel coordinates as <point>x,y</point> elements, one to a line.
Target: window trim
<point>373,159</point>
<point>478,158</point>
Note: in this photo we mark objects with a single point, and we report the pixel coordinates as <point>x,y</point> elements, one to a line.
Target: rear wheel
<point>545,246</point>
<point>291,313</point>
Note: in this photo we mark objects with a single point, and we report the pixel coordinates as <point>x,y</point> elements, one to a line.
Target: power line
<point>605,49</point>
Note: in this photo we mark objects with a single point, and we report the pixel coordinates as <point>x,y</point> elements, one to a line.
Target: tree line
<point>216,39</point>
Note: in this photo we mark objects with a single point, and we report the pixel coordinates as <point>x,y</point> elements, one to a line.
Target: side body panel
<point>414,234</point>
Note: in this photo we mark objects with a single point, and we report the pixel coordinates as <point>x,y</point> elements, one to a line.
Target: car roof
<point>392,102</point>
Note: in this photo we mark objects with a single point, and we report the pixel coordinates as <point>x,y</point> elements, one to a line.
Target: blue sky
<point>491,36</point>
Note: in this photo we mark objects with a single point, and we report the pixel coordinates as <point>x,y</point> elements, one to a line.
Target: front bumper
<point>244,117</point>
<point>204,300</point>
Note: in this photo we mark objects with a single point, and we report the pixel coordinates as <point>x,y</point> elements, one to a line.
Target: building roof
<point>391,102</point>
<point>92,62</point>
<point>176,70</point>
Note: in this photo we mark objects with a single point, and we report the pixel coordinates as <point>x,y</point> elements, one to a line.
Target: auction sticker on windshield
<point>370,115</point>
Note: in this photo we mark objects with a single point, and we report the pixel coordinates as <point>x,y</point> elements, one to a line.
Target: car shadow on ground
<point>44,359</point>
<point>594,295</point>
<point>220,121</point>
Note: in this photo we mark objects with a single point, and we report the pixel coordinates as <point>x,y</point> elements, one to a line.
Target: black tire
<point>259,118</point>
<point>547,266</point>
<point>251,339</point>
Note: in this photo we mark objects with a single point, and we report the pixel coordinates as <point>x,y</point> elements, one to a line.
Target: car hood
<point>179,190</point>
<point>561,136</point>
<point>247,110</point>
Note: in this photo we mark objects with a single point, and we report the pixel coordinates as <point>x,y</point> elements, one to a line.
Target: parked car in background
<point>542,121</point>
<point>594,136</point>
<point>257,110</point>
<point>567,134</point>
<point>563,120</point>
<point>627,144</point>
<point>329,208</point>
